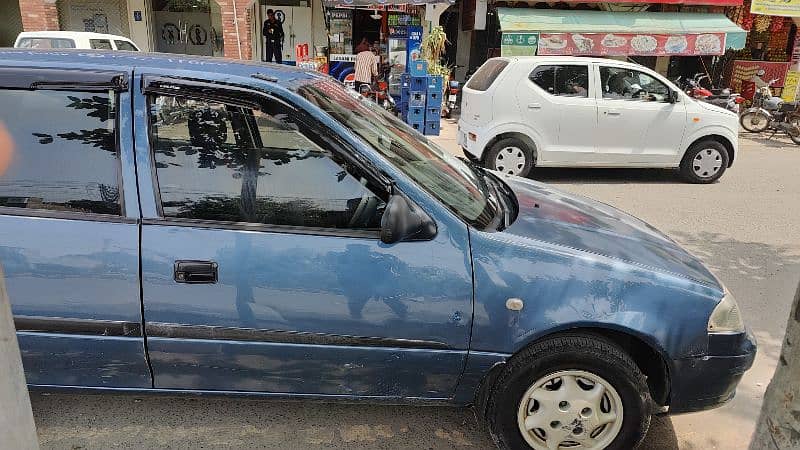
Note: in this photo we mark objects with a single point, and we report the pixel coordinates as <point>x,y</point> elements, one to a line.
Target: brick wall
<point>232,41</point>
<point>38,15</point>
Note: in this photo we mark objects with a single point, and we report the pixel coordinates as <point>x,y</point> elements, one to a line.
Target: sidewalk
<point>448,137</point>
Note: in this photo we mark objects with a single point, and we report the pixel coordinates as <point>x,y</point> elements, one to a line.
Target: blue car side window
<point>229,163</point>
<point>66,151</point>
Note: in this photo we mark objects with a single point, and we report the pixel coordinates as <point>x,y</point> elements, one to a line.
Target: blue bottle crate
<point>419,126</point>
<point>417,98</point>
<point>432,128</point>
<point>433,112</point>
<point>418,68</point>
<point>402,106</point>
<point>434,98</point>
<point>435,83</point>
<point>419,84</point>
<point>405,77</point>
<point>416,114</point>
<point>404,94</point>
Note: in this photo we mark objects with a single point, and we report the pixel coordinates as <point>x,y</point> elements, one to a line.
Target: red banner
<point>757,73</point>
<point>624,44</point>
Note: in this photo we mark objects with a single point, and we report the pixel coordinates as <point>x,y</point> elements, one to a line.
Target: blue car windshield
<point>463,189</point>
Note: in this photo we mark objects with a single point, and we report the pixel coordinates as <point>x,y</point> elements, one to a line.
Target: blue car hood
<point>556,217</point>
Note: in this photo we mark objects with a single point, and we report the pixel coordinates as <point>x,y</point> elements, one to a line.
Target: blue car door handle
<point>196,272</point>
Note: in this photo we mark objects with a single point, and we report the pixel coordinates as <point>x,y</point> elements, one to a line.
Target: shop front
<point>651,38</point>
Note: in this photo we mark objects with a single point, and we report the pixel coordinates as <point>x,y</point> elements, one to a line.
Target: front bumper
<point>710,381</point>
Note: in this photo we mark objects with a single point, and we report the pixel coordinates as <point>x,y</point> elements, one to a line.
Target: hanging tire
<point>704,162</point>
<point>511,156</point>
<point>754,121</point>
<point>576,390</point>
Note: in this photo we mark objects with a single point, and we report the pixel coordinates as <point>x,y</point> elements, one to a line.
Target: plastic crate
<point>416,114</point>
<point>417,98</point>
<point>418,84</point>
<point>404,94</point>
<point>419,126</point>
<point>402,106</point>
<point>433,112</point>
<point>418,68</point>
<point>435,83</point>
<point>432,127</point>
<point>434,98</point>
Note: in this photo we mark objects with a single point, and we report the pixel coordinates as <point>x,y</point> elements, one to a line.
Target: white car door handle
<point>613,112</point>
<point>534,106</point>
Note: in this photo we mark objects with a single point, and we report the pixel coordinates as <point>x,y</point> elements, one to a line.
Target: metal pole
<point>16,421</point>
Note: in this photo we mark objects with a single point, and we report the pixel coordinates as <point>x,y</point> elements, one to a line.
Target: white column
<point>141,31</point>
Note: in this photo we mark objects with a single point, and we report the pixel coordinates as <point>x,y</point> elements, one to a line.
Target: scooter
<point>769,112</point>
<point>453,90</point>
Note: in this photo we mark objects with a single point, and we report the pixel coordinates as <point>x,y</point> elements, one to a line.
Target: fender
<point>509,127</point>
<point>709,130</point>
<point>758,110</point>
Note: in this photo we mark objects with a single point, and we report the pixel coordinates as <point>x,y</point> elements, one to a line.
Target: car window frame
<point>601,93</point>
<point>51,38</point>
<point>81,81</point>
<point>553,65</point>
<point>236,95</point>
<point>116,43</point>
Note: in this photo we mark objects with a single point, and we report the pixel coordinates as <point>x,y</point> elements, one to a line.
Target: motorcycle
<point>723,98</point>
<point>453,89</point>
<point>378,91</point>
<point>769,112</point>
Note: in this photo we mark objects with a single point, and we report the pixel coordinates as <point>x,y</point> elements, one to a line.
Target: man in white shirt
<point>366,68</point>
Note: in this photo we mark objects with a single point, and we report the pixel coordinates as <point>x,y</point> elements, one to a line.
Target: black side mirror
<point>673,96</point>
<point>404,221</point>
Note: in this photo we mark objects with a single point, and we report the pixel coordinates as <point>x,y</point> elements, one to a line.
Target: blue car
<point>174,224</point>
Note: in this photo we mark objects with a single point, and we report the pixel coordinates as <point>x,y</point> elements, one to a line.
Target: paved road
<point>743,227</point>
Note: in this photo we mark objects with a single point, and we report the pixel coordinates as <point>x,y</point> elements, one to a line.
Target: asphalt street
<point>744,227</point>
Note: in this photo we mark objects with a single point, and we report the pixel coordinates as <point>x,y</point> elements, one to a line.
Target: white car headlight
<point>726,317</point>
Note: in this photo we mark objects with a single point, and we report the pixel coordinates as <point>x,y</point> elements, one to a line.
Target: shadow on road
<point>128,421</point>
<point>560,175</point>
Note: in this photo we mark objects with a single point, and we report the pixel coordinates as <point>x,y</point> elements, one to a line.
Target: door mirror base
<point>404,221</point>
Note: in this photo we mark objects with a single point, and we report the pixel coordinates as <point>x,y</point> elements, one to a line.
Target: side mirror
<point>673,96</point>
<point>404,221</point>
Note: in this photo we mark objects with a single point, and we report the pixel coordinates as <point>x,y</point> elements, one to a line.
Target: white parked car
<point>524,112</point>
<point>73,39</point>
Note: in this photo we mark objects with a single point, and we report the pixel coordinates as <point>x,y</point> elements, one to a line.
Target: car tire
<point>513,151</point>
<point>704,162</point>
<point>577,355</point>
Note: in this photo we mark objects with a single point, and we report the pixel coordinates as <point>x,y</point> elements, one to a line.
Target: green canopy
<point>527,20</point>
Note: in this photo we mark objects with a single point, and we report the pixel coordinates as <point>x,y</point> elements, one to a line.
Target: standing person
<point>273,34</point>
<point>366,67</point>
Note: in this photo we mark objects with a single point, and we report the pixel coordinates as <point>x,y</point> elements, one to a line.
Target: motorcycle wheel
<point>754,122</point>
<point>795,121</point>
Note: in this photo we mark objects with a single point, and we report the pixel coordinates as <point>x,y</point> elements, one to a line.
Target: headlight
<point>726,317</point>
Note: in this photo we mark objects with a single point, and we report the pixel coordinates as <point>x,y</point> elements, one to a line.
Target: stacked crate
<point>421,102</point>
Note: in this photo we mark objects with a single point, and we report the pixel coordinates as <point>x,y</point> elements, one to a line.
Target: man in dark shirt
<point>273,34</point>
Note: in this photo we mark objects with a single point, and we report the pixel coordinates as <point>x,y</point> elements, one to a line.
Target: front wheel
<point>704,162</point>
<point>754,121</point>
<point>576,391</point>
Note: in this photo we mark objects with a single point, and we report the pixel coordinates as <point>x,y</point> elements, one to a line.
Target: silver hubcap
<point>707,163</point>
<point>570,409</point>
<point>510,160</point>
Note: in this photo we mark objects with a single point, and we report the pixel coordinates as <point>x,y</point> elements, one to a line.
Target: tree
<point>778,426</point>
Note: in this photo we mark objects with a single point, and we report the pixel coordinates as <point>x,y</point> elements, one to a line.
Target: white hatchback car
<point>524,112</point>
<point>73,39</point>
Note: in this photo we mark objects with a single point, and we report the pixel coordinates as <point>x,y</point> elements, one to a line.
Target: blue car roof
<point>157,63</point>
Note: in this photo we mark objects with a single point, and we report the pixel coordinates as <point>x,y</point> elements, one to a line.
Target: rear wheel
<point>704,162</point>
<point>754,121</point>
<point>511,156</point>
<point>576,392</point>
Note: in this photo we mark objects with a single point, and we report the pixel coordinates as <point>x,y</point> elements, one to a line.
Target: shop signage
<point>403,19</point>
<point>789,8</point>
<point>396,32</point>
<point>625,44</point>
<point>789,93</point>
<point>342,58</point>
<point>341,14</point>
<point>519,44</point>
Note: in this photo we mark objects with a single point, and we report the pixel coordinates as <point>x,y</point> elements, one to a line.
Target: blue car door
<point>69,238</point>
<point>262,266</point>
